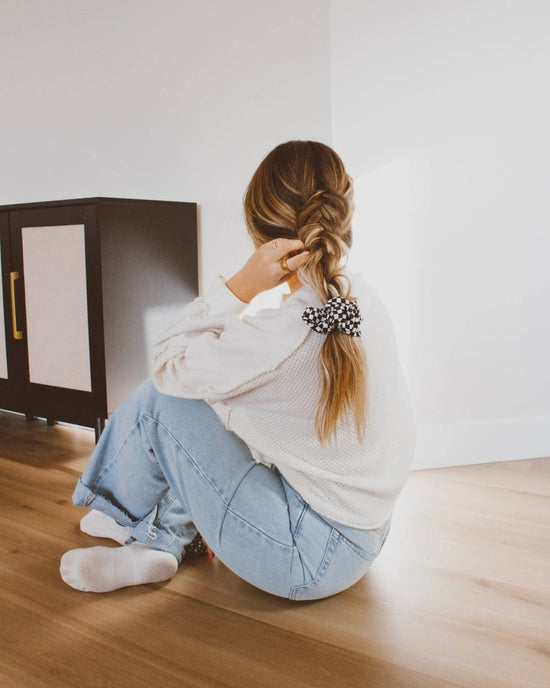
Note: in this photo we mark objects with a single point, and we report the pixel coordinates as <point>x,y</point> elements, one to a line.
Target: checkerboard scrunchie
<point>339,314</point>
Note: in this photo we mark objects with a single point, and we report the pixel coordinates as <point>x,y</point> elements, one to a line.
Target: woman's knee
<point>176,414</point>
<point>150,400</point>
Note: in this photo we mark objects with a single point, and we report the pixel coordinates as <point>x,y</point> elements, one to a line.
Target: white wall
<point>174,100</point>
<point>441,111</point>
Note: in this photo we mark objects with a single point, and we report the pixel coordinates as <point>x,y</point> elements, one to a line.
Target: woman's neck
<point>294,284</point>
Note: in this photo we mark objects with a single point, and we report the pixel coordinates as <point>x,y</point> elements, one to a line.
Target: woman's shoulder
<point>268,336</point>
<point>286,317</point>
<point>283,308</point>
<point>290,308</point>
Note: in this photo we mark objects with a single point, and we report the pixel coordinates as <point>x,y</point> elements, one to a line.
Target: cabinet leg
<point>99,427</point>
<point>50,422</point>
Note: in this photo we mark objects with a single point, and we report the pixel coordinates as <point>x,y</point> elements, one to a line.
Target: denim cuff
<point>144,530</point>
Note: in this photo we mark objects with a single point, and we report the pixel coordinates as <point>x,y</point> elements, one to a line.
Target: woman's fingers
<point>282,247</point>
<point>264,269</point>
<point>295,262</point>
<point>290,249</point>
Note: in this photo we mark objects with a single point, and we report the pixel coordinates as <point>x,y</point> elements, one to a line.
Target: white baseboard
<point>457,444</point>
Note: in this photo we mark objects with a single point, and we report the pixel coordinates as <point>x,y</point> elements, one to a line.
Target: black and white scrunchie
<point>339,314</point>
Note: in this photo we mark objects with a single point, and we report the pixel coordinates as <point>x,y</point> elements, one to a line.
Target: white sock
<point>102,569</point>
<point>98,524</point>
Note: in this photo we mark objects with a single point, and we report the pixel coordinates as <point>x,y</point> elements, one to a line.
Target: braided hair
<point>301,190</point>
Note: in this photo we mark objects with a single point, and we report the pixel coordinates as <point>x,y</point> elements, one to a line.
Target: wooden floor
<point>460,595</point>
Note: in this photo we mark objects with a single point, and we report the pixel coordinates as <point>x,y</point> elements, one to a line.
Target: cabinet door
<point>5,295</point>
<point>56,310</point>
<point>61,373</point>
<point>10,335</point>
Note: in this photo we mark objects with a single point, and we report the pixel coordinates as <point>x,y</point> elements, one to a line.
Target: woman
<point>282,438</point>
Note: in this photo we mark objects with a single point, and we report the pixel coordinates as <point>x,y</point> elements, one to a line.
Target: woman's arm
<point>207,350</point>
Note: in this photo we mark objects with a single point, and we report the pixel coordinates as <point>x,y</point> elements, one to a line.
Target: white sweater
<point>260,374</point>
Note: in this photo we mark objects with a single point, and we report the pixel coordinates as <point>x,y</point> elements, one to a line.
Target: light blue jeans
<point>167,467</point>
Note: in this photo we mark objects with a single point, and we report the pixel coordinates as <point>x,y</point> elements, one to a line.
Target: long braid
<point>324,229</point>
<point>301,190</point>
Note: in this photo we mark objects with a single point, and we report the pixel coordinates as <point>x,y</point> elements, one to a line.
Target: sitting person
<point>283,438</point>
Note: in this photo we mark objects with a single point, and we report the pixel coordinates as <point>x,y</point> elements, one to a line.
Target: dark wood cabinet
<point>87,285</point>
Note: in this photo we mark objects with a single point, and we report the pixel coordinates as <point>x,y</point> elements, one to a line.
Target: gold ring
<point>284,266</point>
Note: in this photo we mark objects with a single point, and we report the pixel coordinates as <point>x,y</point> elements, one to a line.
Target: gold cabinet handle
<point>17,334</point>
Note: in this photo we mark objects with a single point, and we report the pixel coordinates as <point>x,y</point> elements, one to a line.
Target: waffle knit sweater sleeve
<point>261,376</point>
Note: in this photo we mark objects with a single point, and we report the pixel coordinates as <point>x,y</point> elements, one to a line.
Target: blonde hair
<point>302,190</point>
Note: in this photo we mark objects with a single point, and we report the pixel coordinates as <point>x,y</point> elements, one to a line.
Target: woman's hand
<point>263,269</point>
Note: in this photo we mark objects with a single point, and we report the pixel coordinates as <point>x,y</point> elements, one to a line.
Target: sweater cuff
<point>221,300</point>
